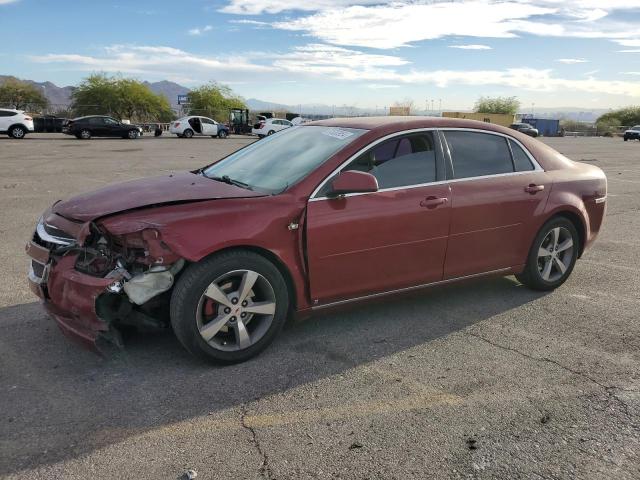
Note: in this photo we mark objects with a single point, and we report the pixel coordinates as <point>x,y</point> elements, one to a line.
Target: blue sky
<point>365,53</point>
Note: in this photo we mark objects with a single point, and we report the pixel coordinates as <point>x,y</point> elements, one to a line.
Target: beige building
<point>399,111</point>
<point>498,118</point>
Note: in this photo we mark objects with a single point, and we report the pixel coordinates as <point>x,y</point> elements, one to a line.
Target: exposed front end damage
<point>94,283</point>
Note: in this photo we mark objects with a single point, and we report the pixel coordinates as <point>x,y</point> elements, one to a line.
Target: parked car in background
<point>15,123</point>
<point>526,129</point>
<point>315,217</point>
<point>187,127</point>
<point>632,134</point>
<point>269,126</point>
<point>100,126</point>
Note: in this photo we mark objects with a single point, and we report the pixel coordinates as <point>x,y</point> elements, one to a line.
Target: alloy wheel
<point>85,134</point>
<point>17,132</point>
<point>236,310</point>
<point>555,254</point>
<point>133,134</point>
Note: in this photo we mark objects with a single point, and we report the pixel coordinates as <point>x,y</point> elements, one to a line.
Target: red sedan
<point>313,217</point>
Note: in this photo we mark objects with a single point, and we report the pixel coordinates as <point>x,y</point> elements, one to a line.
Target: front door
<point>209,127</point>
<point>496,191</point>
<point>394,238</point>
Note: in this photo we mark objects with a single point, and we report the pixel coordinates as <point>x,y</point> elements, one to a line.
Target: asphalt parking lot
<point>482,380</point>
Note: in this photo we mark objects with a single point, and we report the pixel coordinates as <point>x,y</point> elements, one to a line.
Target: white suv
<point>15,123</point>
<point>270,126</point>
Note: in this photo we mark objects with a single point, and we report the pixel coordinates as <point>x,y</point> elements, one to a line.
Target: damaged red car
<point>313,217</point>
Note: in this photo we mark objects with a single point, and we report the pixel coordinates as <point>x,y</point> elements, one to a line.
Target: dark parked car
<point>526,129</point>
<point>632,134</point>
<point>313,217</point>
<point>100,126</point>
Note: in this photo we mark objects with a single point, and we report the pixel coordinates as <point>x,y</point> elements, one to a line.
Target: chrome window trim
<point>445,147</point>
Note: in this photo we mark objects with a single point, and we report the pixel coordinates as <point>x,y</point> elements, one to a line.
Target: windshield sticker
<point>338,133</point>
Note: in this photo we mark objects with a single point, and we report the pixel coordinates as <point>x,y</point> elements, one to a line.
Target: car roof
<point>92,116</point>
<point>391,124</point>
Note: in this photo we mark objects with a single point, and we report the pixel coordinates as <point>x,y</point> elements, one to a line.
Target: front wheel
<point>222,134</point>
<point>552,256</point>
<point>229,307</point>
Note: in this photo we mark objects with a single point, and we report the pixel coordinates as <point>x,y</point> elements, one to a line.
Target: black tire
<point>193,283</point>
<point>85,134</point>
<point>223,134</point>
<point>531,275</point>
<point>626,139</point>
<point>188,133</point>
<point>133,134</point>
<point>270,132</point>
<point>18,132</point>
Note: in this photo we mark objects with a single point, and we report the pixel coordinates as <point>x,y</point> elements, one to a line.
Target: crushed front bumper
<point>68,295</point>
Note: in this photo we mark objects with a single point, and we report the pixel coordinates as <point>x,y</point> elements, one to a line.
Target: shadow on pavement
<point>59,402</point>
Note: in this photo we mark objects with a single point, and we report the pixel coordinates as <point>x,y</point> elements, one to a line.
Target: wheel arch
<point>21,125</point>
<point>578,222</point>
<point>276,261</point>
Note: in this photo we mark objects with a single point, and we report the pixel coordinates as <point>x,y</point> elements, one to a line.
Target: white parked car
<point>15,123</point>
<point>270,126</point>
<point>187,127</point>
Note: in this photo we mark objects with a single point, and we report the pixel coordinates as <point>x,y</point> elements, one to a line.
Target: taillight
<point>176,125</point>
<point>28,119</point>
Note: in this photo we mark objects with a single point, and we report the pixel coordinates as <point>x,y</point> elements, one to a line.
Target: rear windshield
<point>282,159</point>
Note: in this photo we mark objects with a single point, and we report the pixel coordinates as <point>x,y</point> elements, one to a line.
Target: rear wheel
<point>85,134</point>
<point>271,132</point>
<point>188,133</point>
<point>17,132</point>
<point>552,256</point>
<point>133,134</point>
<point>229,307</point>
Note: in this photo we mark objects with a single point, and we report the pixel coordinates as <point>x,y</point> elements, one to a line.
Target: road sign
<point>183,99</point>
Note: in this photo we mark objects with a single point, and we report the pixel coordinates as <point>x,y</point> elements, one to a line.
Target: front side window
<point>280,160</point>
<point>206,120</point>
<point>400,162</point>
<point>96,121</point>
<point>475,154</point>
<point>111,121</point>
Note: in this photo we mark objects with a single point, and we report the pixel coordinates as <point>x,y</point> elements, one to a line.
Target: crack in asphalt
<point>608,389</point>
<point>265,469</point>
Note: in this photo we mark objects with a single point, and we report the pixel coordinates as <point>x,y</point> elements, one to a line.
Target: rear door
<point>496,188</point>
<point>6,119</point>
<point>97,126</point>
<point>394,238</point>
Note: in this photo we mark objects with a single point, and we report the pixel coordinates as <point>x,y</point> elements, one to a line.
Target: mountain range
<point>61,96</point>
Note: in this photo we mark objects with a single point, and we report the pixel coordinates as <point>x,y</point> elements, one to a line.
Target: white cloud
<point>382,86</point>
<point>6,2</point>
<point>199,31</point>
<point>628,43</point>
<point>154,61</point>
<point>389,24</point>
<point>572,61</point>
<point>471,47</point>
<point>630,73</point>
<point>328,61</point>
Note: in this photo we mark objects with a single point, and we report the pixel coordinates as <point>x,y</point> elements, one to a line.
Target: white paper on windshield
<point>338,133</point>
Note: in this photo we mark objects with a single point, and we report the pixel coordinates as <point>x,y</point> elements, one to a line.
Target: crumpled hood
<point>147,192</point>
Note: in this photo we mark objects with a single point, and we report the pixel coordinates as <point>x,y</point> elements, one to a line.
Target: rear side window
<point>96,121</point>
<point>402,161</point>
<point>477,154</point>
<point>7,113</point>
<point>520,159</point>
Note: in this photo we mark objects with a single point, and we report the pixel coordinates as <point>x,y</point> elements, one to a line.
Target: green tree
<point>123,98</point>
<point>628,116</point>
<point>214,100</point>
<point>22,95</point>
<point>508,105</point>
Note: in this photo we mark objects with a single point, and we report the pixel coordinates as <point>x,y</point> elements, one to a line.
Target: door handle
<point>532,188</point>
<point>433,202</point>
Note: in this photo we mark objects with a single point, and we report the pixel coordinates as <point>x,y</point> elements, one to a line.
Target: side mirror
<point>353,181</point>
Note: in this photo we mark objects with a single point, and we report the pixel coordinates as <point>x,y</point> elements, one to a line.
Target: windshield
<point>280,160</point>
